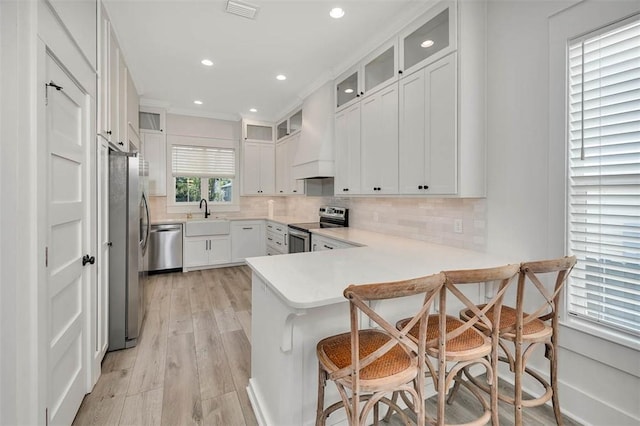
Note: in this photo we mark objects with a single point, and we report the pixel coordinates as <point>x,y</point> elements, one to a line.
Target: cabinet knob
<point>358,95</point>
<point>362,93</point>
<point>426,187</point>
<point>419,186</point>
<point>281,191</point>
<point>399,71</point>
<point>295,190</point>
<point>108,132</point>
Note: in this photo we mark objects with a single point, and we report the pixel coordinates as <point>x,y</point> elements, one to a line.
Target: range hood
<point>314,156</point>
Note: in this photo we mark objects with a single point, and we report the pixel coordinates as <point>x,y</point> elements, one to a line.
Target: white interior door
<point>66,136</point>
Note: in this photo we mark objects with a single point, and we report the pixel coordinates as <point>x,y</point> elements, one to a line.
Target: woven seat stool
<point>461,344</point>
<point>366,365</point>
<point>521,332</point>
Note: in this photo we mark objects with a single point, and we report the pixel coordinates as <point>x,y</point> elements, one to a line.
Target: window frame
<point>563,28</point>
<point>194,207</point>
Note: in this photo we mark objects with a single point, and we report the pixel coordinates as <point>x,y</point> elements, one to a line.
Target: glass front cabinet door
<point>347,88</point>
<point>381,67</point>
<point>431,37</point>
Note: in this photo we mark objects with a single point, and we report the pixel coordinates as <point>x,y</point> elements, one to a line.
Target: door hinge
<point>46,257</point>
<point>46,91</point>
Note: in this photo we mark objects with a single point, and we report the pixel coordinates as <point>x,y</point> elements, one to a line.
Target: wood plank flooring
<point>192,363</point>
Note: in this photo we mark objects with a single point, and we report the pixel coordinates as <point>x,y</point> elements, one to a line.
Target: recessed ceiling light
<point>427,43</point>
<point>253,110</point>
<point>197,102</point>
<point>336,13</point>
<point>348,91</point>
<point>281,77</point>
<point>207,62</point>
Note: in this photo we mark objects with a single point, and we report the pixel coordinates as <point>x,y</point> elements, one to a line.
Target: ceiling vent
<point>245,10</point>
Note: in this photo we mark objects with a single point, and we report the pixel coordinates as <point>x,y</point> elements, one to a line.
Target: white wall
<point>18,367</point>
<point>599,379</point>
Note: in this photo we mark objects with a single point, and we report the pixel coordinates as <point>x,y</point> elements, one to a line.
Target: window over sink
<point>202,172</point>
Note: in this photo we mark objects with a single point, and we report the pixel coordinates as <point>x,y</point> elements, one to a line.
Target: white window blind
<point>604,176</point>
<point>199,161</point>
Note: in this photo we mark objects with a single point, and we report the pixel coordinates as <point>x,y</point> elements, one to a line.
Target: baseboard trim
<point>255,400</point>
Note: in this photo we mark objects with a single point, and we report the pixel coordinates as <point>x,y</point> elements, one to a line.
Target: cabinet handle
<point>358,95</point>
<point>281,192</point>
<point>108,132</point>
<point>121,143</point>
<point>269,238</point>
<point>419,186</point>
<point>278,243</point>
<point>426,187</point>
<point>362,93</point>
<point>247,228</point>
<point>399,71</point>
<point>295,190</point>
<point>328,247</point>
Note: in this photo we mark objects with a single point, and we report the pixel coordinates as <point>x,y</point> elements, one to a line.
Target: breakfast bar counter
<point>297,300</point>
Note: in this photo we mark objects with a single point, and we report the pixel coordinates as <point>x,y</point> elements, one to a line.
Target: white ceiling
<point>163,42</point>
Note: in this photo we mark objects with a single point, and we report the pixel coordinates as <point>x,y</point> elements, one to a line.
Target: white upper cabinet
<point>430,38</point>
<point>380,68</point>
<point>155,149</point>
<point>257,131</point>
<point>428,129</point>
<point>379,142</point>
<point>114,68</point>
<point>348,88</point>
<point>285,154</point>
<point>258,169</point>
<point>289,126</point>
<point>431,140</point>
<point>347,151</point>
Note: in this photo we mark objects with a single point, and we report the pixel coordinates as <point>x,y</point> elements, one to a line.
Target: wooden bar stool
<point>521,332</point>
<point>368,364</point>
<point>461,343</point>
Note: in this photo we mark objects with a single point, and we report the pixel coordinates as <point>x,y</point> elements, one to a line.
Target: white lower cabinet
<point>276,239</point>
<point>206,251</point>
<point>320,243</point>
<point>247,240</point>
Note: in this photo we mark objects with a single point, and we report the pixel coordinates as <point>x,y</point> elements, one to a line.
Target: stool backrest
<point>359,295</point>
<point>504,275</point>
<point>532,276</point>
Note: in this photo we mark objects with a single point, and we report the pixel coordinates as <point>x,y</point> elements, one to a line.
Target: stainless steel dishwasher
<point>165,247</point>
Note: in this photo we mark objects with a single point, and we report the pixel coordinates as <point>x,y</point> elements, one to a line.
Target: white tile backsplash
<point>416,218</point>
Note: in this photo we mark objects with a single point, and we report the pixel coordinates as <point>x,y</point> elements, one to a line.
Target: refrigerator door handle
<point>145,241</point>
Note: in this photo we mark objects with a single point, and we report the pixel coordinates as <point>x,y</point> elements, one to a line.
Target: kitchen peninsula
<point>297,300</point>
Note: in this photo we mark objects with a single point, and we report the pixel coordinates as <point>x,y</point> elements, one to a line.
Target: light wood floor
<point>192,363</point>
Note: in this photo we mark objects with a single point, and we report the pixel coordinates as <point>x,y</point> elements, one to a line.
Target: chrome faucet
<point>206,208</point>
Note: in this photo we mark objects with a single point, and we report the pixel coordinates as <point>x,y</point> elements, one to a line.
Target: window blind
<point>199,161</point>
<point>604,176</point>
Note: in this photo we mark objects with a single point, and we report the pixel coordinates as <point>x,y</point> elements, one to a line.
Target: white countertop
<point>308,280</point>
<point>285,220</point>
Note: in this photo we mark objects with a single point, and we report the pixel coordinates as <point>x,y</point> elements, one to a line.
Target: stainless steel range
<point>300,233</point>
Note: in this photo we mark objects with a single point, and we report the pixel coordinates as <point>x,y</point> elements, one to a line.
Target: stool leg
<point>322,381</point>
<point>517,397</point>
<point>555,400</point>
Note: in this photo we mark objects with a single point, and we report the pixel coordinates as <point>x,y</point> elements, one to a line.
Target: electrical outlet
<point>457,226</point>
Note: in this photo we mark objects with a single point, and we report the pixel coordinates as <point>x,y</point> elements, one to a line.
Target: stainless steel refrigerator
<point>128,232</point>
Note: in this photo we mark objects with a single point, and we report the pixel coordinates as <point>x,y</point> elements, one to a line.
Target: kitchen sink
<point>195,228</point>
